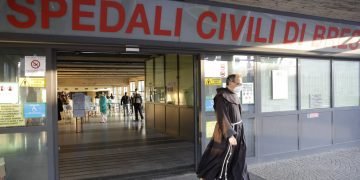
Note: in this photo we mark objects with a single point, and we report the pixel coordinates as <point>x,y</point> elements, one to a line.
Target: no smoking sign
<point>35,65</point>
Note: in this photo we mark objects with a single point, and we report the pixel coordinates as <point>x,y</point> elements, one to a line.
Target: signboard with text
<point>171,21</point>
<point>34,110</point>
<point>79,104</point>
<point>11,115</point>
<point>32,82</point>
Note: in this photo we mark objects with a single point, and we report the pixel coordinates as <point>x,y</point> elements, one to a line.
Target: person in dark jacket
<point>224,157</point>
<point>137,102</point>
<point>60,107</point>
<point>125,100</point>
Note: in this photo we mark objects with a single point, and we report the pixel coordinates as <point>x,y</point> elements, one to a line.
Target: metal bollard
<point>79,125</point>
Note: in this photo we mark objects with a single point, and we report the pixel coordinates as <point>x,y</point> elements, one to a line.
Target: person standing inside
<point>224,157</point>
<point>60,106</point>
<point>103,108</point>
<point>137,102</point>
<point>125,103</point>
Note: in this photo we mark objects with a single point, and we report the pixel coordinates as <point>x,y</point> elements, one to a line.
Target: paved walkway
<point>340,164</point>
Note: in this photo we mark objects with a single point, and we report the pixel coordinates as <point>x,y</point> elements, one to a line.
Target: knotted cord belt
<point>224,167</point>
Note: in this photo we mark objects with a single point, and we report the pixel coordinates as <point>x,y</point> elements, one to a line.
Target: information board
<point>34,110</point>
<point>11,115</point>
<point>247,93</point>
<point>78,104</point>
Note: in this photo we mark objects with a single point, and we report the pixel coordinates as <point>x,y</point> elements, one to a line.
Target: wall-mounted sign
<point>280,84</point>
<point>209,103</point>
<point>9,92</point>
<point>213,81</point>
<point>35,65</point>
<point>11,115</point>
<point>34,110</point>
<point>32,82</point>
<point>247,93</point>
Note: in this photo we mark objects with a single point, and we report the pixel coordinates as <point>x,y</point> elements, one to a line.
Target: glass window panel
<point>132,86</point>
<point>149,80</point>
<point>346,83</point>
<point>25,155</point>
<point>171,79</point>
<point>315,83</point>
<point>159,89</point>
<point>278,84</point>
<point>244,65</point>
<point>218,67</point>
<point>186,80</point>
<point>21,92</point>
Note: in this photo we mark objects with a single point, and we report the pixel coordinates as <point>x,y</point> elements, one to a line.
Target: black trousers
<point>138,109</point>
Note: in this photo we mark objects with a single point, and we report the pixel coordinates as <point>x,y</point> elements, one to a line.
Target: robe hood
<point>228,95</point>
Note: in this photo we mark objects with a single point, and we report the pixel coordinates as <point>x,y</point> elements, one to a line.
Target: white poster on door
<point>35,65</point>
<point>9,92</point>
<point>247,93</point>
<point>216,69</point>
<point>280,84</point>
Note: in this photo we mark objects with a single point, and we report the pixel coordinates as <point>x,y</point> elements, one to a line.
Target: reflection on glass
<point>346,83</point>
<point>186,80</point>
<point>230,64</point>
<point>22,89</point>
<point>159,89</point>
<point>171,79</point>
<point>25,155</point>
<point>287,69</point>
<point>315,83</point>
<point>149,80</point>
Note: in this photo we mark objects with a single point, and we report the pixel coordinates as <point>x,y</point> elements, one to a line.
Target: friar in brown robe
<point>224,157</point>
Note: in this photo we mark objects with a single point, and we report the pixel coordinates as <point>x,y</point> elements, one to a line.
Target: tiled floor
<point>120,149</point>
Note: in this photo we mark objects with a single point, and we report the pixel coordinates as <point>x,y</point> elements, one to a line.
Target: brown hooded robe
<point>227,108</point>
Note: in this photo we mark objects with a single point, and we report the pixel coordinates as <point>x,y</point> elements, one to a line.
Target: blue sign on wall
<point>34,110</point>
<point>209,105</point>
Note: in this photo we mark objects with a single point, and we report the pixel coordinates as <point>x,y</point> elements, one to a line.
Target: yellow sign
<point>11,115</point>
<point>32,82</point>
<point>213,81</point>
<point>210,126</point>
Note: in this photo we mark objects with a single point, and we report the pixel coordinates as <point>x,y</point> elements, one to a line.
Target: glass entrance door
<point>214,70</point>
<point>25,141</point>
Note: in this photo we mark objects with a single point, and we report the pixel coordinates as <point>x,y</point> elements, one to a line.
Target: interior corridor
<point>120,149</point>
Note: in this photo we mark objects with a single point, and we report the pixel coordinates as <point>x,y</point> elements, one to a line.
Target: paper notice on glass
<point>247,93</point>
<point>315,100</point>
<point>280,84</point>
<point>216,69</point>
<point>9,92</point>
<point>35,65</point>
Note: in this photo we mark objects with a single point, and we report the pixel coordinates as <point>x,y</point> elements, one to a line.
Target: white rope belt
<point>228,155</point>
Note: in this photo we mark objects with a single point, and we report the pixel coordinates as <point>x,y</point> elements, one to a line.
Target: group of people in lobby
<point>135,103</point>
